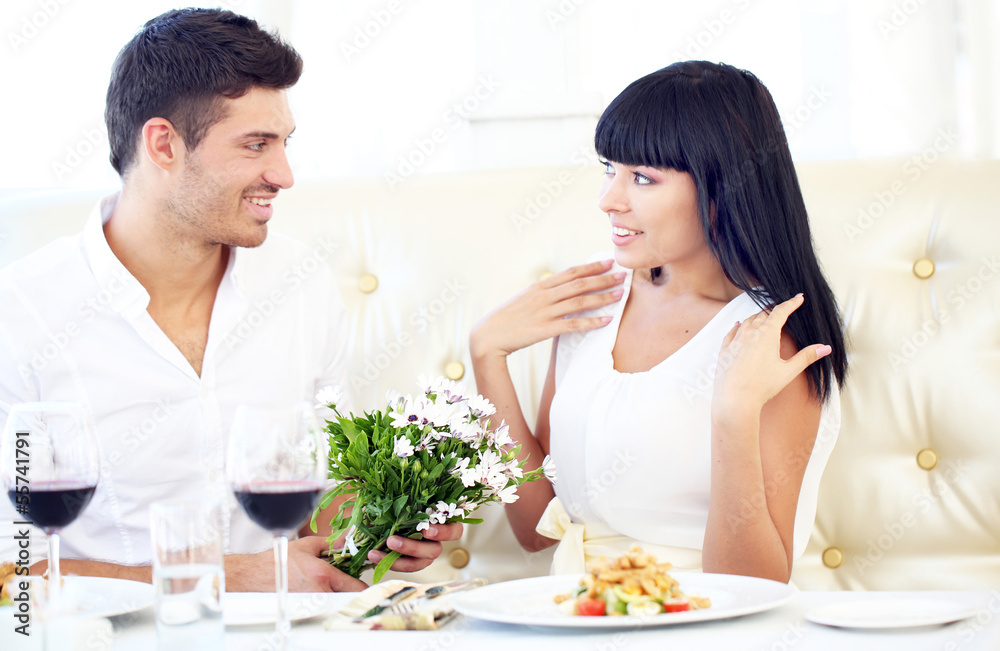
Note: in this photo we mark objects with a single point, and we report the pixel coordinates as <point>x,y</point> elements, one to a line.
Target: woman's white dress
<point>632,450</point>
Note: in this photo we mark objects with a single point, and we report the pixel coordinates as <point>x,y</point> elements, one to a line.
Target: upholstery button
<point>927,458</point>
<point>454,370</point>
<point>833,557</point>
<point>544,275</point>
<point>458,558</point>
<point>923,268</point>
<point>368,283</point>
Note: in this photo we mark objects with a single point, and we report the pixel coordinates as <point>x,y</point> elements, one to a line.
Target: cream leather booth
<point>911,497</point>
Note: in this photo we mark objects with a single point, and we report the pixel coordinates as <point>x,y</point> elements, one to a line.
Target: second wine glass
<point>277,467</point>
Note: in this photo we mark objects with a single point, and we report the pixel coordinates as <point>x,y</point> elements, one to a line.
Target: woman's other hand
<point>539,312</point>
<point>750,368</point>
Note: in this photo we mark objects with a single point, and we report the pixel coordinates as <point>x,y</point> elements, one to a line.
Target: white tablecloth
<point>782,628</point>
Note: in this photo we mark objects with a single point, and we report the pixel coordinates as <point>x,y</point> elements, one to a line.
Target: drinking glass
<point>49,463</point>
<point>277,467</point>
<point>188,574</point>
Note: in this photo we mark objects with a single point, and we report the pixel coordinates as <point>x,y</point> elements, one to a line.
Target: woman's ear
<point>713,230</point>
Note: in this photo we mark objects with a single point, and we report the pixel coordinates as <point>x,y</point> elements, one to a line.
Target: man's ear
<point>161,143</point>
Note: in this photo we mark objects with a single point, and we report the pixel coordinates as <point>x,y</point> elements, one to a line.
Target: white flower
<point>410,412</point>
<point>549,468</point>
<point>427,442</point>
<point>481,407</point>
<point>393,398</point>
<point>440,414</point>
<point>487,460</point>
<point>402,447</point>
<point>329,396</point>
<point>448,390</point>
<point>426,383</point>
<point>500,437</point>
<point>466,431</point>
<point>513,469</point>
<point>349,540</point>
<point>470,476</point>
<point>508,495</point>
<point>449,510</point>
<point>460,466</point>
<point>497,479</point>
<point>433,517</point>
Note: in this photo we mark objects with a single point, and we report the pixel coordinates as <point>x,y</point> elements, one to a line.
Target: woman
<point>684,406</point>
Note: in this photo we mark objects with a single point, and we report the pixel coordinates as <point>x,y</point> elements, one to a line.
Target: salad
<point>632,584</point>
<point>7,576</point>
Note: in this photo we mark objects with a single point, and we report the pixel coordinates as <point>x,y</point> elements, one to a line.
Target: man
<point>141,303</point>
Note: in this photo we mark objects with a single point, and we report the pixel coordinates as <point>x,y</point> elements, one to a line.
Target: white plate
<point>104,597</point>
<point>530,601</point>
<point>251,608</point>
<point>890,613</point>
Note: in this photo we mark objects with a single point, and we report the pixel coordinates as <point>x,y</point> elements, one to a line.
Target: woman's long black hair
<point>719,124</point>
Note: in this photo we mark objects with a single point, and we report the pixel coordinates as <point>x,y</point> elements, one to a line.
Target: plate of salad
<point>630,591</point>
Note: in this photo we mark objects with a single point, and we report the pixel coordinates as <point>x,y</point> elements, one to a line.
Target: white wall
<point>401,87</point>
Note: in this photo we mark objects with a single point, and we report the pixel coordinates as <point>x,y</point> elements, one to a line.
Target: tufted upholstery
<point>909,499</point>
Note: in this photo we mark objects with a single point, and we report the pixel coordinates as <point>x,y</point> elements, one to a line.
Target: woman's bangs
<point>640,128</point>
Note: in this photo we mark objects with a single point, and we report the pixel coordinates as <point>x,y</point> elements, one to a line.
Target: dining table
<point>788,625</point>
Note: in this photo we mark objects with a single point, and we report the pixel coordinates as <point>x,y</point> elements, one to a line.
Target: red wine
<point>55,505</point>
<point>278,507</point>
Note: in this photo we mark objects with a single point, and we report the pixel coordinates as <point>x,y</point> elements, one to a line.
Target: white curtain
<point>403,87</point>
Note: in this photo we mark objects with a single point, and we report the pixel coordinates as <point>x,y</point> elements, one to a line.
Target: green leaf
<point>384,565</point>
<point>350,429</point>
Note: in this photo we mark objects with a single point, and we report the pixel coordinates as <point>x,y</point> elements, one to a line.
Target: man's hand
<point>307,571</point>
<point>418,554</point>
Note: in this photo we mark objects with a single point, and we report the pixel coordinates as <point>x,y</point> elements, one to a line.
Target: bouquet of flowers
<point>423,460</point>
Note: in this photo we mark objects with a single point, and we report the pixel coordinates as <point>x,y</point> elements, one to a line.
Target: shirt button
<point>213,476</point>
<point>833,557</point>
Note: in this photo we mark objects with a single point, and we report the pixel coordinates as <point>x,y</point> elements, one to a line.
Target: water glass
<point>188,574</point>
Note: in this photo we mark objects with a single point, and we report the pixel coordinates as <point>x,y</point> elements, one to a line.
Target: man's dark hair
<point>181,65</point>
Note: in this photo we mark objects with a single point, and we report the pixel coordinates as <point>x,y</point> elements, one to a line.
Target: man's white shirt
<point>74,326</point>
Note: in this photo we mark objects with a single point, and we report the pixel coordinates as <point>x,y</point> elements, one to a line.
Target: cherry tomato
<point>591,607</point>
<point>676,605</point>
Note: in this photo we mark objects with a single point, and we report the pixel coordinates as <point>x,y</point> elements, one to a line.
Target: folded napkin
<point>429,616</point>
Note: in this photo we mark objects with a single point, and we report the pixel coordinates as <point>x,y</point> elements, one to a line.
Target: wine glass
<point>49,463</point>
<point>277,467</point>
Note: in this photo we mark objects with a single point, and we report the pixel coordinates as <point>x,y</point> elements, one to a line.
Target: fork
<point>410,605</point>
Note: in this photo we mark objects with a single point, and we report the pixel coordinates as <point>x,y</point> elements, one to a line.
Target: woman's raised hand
<point>539,312</point>
<point>751,370</point>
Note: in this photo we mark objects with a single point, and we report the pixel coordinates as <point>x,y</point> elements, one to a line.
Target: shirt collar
<point>235,271</point>
<point>120,289</point>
